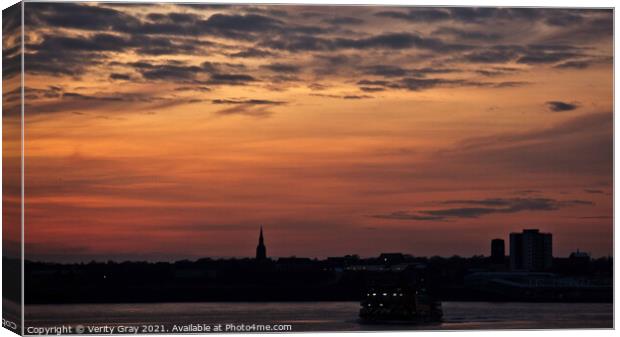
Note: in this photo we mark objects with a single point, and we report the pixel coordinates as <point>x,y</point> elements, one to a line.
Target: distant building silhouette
<point>530,250</point>
<point>579,256</point>
<point>261,250</point>
<point>391,258</point>
<point>579,262</point>
<point>498,251</point>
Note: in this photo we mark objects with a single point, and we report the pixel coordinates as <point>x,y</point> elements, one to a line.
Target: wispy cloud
<point>485,207</point>
<point>558,106</point>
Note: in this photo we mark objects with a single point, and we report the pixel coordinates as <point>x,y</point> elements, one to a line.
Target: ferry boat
<point>399,305</point>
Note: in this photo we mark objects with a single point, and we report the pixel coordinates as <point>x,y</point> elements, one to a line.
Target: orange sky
<point>172,131</point>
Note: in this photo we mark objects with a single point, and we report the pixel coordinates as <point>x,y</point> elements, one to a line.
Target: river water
<point>320,316</point>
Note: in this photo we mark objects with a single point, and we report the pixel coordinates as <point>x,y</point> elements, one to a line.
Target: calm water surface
<point>325,316</point>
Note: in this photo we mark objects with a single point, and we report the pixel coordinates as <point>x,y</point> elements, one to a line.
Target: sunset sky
<point>162,132</point>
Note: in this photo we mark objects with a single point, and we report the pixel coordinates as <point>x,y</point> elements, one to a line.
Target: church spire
<point>261,250</point>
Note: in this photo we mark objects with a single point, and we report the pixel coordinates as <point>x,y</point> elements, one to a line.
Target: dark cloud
<point>317,86</point>
<point>35,93</point>
<point>530,54</point>
<point>94,43</point>
<point>573,65</point>
<point>415,84</point>
<point>356,96</point>
<point>497,71</point>
<point>470,15</point>
<point>300,42</point>
<point>222,66</point>
<point>583,63</point>
<point>386,70</point>
<point>528,192</point>
<point>238,26</point>
<point>252,52</point>
<point>156,16</point>
<point>11,41</point>
<point>11,62</point>
<point>593,191</point>
<point>251,107</point>
<point>484,207</point>
<point>175,25</point>
<point>564,18</point>
<point>100,31</point>
<point>508,84</point>
<point>112,101</point>
<point>329,64</point>
<point>114,97</point>
<point>464,212</point>
<point>476,15</point>
<point>105,42</point>
<point>247,102</point>
<point>463,34</point>
<point>60,62</point>
<point>265,10</point>
<point>78,16</point>
<point>12,19</point>
<point>193,88</point>
<point>309,14</point>
<point>558,106</point>
<point>404,215</point>
<point>99,18</point>
<point>546,57</point>
<point>551,16</point>
<point>117,76</point>
<point>230,79</point>
<point>494,54</point>
<point>283,68</point>
<point>603,25</point>
<point>212,73</point>
<point>349,97</point>
<point>429,70</point>
<point>399,41</point>
<point>419,84</point>
<point>372,89</point>
<point>73,55</point>
<point>178,17</point>
<point>164,46</point>
<point>596,25</point>
<point>391,71</point>
<point>380,83</point>
<point>309,30</point>
<point>519,204</point>
<point>170,72</point>
<point>417,14</point>
<point>343,20</point>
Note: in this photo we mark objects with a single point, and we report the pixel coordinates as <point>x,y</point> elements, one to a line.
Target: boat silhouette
<point>399,305</point>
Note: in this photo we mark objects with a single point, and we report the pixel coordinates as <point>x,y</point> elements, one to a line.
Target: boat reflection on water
<point>399,305</point>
